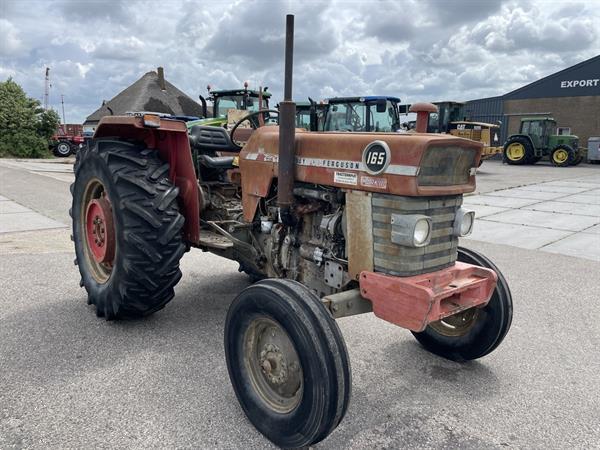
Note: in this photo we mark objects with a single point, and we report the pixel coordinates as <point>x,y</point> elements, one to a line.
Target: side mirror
<point>381,106</point>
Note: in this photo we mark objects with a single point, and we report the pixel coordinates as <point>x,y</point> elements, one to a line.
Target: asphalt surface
<point>71,380</point>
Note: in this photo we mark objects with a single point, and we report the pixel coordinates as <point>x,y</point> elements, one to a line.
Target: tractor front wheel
<point>518,151</point>
<point>127,229</point>
<point>474,332</point>
<point>287,362</point>
<point>562,156</point>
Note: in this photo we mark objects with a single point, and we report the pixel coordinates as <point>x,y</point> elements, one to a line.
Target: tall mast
<point>47,88</point>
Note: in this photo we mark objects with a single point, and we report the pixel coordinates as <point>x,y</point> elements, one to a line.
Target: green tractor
<point>231,99</point>
<point>537,138</point>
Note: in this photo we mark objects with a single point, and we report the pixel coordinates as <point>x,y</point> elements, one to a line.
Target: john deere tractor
<point>537,138</point>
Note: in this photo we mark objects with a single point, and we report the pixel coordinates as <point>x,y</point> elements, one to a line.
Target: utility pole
<point>47,88</point>
<point>62,102</point>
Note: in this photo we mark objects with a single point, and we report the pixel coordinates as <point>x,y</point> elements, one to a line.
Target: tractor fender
<point>528,138</point>
<point>524,136</point>
<point>171,141</point>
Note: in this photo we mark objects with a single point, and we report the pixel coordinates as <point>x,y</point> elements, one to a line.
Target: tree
<point>24,126</point>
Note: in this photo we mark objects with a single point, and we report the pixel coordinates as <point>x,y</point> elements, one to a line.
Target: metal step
<point>214,240</point>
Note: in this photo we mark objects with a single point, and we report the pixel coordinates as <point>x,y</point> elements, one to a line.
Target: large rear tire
<point>127,229</point>
<point>475,332</point>
<point>62,149</point>
<point>287,362</point>
<point>518,151</point>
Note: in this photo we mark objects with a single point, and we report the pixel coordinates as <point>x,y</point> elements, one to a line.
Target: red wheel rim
<point>100,230</point>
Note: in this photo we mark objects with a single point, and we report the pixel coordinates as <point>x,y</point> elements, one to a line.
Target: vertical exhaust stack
<point>161,79</point>
<point>287,132</point>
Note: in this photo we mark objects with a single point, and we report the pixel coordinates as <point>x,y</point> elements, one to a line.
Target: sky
<point>418,50</point>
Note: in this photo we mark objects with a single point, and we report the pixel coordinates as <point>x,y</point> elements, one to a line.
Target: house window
<point>563,131</point>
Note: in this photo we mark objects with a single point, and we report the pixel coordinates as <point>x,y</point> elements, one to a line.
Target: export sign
<point>579,83</point>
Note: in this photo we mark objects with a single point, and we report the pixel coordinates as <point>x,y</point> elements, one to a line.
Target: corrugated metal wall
<point>490,110</point>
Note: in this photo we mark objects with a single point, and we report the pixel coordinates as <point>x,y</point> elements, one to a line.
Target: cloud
<point>414,49</point>
<point>10,44</point>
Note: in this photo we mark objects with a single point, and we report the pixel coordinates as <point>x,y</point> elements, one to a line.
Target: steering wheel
<point>253,123</point>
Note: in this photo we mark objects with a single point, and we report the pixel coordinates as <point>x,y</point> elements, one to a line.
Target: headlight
<point>463,223</point>
<point>422,232</point>
<point>411,230</point>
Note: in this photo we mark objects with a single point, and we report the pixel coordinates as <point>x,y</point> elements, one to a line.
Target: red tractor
<point>327,224</point>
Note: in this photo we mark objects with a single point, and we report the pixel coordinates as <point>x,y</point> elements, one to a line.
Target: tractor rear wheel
<point>127,229</point>
<point>518,151</point>
<point>287,362</point>
<point>475,332</point>
<point>62,149</point>
<point>562,156</point>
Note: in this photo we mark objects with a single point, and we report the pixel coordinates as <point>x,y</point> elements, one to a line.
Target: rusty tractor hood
<point>418,165</point>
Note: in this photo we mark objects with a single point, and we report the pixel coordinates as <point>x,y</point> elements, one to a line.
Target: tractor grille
<point>406,261</point>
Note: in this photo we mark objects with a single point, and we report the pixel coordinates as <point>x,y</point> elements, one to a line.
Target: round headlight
<point>466,225</point>
<point>422,230</point>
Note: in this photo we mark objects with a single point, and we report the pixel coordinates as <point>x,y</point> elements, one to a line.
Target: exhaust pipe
<point>287,133</point>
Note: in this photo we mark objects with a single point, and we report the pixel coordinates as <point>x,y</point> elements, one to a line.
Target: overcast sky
<point>417,50</point>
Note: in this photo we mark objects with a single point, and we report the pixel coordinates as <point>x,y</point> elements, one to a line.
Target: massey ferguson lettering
<point>579,83</point>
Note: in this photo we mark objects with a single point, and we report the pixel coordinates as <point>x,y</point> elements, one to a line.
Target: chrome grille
<point>406,261</point>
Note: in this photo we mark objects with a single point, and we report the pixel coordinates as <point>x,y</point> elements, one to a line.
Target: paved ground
<point>68,379</point>
<point>554,216</point>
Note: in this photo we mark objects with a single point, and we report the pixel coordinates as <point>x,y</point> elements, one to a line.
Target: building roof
<point>557,84</point>
<point>146,95</point>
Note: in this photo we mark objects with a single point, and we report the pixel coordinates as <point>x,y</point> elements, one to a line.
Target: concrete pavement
<point>71,380</point>
<point>555,216</point>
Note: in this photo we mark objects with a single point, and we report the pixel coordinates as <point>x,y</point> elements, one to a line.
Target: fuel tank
<point>416,164</point>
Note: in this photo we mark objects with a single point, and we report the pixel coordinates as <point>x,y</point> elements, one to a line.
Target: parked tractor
<point>224,101</point>
<point>310,115</point>
<point>331,224</point>
<point>537,139</point>
<point>450,118</point>
<point>63,145</point>
<point>363,114</point>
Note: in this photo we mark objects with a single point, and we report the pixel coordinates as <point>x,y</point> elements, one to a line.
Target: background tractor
<point>224,101</point>
<point>537,138</point>
<point>332,224</point>
<point>363,114</point>
<point>450,119</point>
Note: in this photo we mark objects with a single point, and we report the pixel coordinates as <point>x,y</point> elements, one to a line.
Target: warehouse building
<point>571,96</point>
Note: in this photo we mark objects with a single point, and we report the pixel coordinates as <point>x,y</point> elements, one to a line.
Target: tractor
<point>327,225</point>
<point>537,139</point>
<point>362,114</point>
<point>450,118</point>
<point>224,101</point>
<point>310,115</point>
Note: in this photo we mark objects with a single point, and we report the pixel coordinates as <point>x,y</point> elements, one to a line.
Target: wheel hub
<point>457,324</point>
<point>560,156</point>
<point>100,230</point>
<point>515,151</point>
<point>275,368</point>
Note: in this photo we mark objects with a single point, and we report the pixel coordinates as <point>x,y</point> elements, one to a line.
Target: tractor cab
<point>310,115</point>
<point>538,129</point>
<point>230,102</point>
<point>374,113</point>
<point>448,112</point>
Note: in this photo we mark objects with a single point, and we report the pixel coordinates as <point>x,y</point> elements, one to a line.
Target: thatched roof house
<point>150,93</point>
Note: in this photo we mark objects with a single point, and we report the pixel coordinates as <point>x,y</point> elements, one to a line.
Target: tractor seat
<point>217,162</point>
<point>206,139</point>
